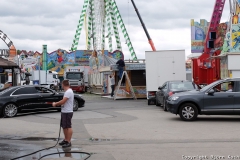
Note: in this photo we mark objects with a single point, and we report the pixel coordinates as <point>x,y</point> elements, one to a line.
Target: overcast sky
<point>31,23</point>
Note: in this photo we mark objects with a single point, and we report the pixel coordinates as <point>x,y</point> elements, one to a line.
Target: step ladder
<point>130,85</point>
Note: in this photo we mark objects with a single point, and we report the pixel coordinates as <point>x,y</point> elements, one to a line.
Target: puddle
<point>11,151</point>
<point>77,156</point>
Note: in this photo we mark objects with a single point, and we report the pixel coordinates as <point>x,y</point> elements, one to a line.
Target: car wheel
<point>10,110</point>
<point>52,87</point>
<point>164,105</point>
<point>157,104</point>
<point>75,105</point>
<point>188,112</point>
<point>149,102</point>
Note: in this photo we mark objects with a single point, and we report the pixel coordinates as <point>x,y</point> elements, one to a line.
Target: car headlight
<point>174,98</point>
<point>80,96</point>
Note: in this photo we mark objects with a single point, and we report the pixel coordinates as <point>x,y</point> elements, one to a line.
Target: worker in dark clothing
<point>27,79</point>
<point>121,65</point>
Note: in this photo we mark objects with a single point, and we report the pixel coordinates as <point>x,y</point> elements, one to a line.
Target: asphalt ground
<point>122,130</point>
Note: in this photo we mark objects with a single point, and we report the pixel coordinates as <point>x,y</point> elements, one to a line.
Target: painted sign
<point>198,35</point>
<point>59,59</point>
<point>140,92</point>
<point>232,38</point>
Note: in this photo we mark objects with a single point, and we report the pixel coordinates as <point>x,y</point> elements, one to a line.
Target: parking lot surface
<point>122,130</point>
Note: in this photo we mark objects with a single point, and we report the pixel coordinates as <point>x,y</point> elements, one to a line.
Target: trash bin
<point>35,82</point>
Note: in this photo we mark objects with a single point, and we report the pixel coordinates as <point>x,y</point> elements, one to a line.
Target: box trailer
<point>47,78</point>
<point>162,66</point>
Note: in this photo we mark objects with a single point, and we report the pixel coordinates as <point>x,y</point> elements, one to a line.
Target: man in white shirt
<point>112,79</point>
<point>66,113</point>
<point>230,87</point>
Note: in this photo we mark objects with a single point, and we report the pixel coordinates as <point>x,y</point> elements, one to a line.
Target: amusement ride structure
<point>102,20</point>
<point>205,68</point>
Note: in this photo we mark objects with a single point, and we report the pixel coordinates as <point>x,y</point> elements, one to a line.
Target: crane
<point>144,27</point>
<point>205,68</point>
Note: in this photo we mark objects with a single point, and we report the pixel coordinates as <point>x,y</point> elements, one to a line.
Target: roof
<point>7,64</point>
<point>109,61</point>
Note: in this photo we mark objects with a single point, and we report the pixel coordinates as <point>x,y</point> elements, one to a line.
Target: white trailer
<point>162,66</point>
<point>47,78</point>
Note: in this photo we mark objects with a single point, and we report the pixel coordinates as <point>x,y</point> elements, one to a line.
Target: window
<point>77,76</point>
<point>26,90</point>
<point>224,87</point>
<point>138,78</point>
<point>164,86</point>
<point>55,76</point>
<point>42,90</point>
<point>182,86</point>
<point>237,86</point>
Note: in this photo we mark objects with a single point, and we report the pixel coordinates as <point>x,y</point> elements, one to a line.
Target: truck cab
<point>75,78</point>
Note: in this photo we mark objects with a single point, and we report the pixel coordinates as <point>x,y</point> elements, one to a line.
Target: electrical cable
<point>89,155</point>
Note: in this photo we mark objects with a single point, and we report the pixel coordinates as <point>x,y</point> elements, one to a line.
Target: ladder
<point>130,85</point>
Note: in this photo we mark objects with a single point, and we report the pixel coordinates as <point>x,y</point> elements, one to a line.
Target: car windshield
<point>180,86</point>
<point>74,76</point>
<point>204,89</point>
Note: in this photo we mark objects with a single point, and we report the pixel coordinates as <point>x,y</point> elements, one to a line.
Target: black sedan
<point>171,87</point>
<point>219,98</point>
<point>17,98</point>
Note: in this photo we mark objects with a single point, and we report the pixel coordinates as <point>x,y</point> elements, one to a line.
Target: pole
<point>39,70</point>
<point>144,27</point>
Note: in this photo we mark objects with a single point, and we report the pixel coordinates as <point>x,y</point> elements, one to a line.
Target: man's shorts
<point>66,120</point>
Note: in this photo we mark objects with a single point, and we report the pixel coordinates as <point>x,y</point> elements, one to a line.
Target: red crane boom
<point>144,27</point>
<point>206,69</point>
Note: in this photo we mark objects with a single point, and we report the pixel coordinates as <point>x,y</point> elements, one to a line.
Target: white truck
<point>78,77</point>
<point>162,66</point>
<point>48,78</point>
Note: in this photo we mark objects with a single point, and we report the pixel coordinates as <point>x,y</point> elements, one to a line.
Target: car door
<point>46,97</point>
<point>236,90</point>
<point>219,102</point>
<point>162,92</point>
<point>25,97</point>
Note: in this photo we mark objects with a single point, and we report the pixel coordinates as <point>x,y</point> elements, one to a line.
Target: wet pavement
<point>11,151</point>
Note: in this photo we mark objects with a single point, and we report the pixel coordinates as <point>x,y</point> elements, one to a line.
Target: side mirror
<point>211,92</point>
<point>159,88</point>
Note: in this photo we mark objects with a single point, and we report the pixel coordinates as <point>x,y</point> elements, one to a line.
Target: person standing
<point>66,113</point>
<point>112,79</point>
<point>121,65</point>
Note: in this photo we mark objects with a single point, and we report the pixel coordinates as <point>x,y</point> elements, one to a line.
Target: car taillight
<point>152,93</point>
<point>170,93</point>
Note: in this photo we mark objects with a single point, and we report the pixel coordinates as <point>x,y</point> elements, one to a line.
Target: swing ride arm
<point>144,27</point>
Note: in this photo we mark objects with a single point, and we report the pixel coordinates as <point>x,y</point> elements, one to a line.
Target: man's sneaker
<point>62,143</point>
<point>66,145</point>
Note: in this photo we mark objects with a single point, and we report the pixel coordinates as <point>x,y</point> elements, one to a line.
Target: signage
<point>9,43</point>
<point>4,52</point>
<point>5,39</point>
<point>74,70</point>
<point>1,70</point>
<point>134,66</point>
<point>29,60</point>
